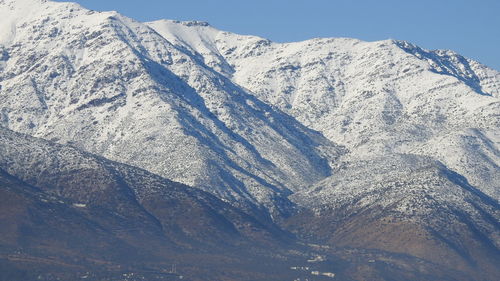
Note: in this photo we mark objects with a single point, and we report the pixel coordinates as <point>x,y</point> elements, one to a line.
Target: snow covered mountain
<point>374,98</point>
<point>381,145</point>
<point>113,86</point>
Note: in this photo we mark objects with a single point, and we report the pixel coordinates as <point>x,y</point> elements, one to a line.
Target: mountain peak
<point>21,3</point>
<point>192,23</point>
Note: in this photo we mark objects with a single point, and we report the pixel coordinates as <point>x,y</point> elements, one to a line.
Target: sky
<point>469,27</point>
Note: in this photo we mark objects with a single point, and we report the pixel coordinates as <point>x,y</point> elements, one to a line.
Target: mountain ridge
<point>186,97</point>
<point>373,97</point>
<point>376,146</point>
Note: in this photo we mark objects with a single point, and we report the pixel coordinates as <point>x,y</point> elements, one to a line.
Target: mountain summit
<point>381,150</point>
<point>158,107</point>
<point>374,98</point>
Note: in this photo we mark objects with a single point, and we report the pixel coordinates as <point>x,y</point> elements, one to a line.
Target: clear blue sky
<point>470,27</point>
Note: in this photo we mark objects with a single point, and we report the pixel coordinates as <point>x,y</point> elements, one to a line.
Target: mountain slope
<point>158,108</point>
<point>70,215</point>
<point>88,180</point>
<point>375,98</point>
<point>421,175</point>
<point>422,209</point>
<point>74,212</point>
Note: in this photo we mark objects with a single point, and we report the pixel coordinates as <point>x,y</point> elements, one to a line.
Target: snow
<point>375,98</point>
<point>156,107</point>
<point>250,120</point>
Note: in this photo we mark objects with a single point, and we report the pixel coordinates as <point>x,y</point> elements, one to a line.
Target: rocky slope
<point>70,215</point>
<point>422,209</point>
<point>65,211</point>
